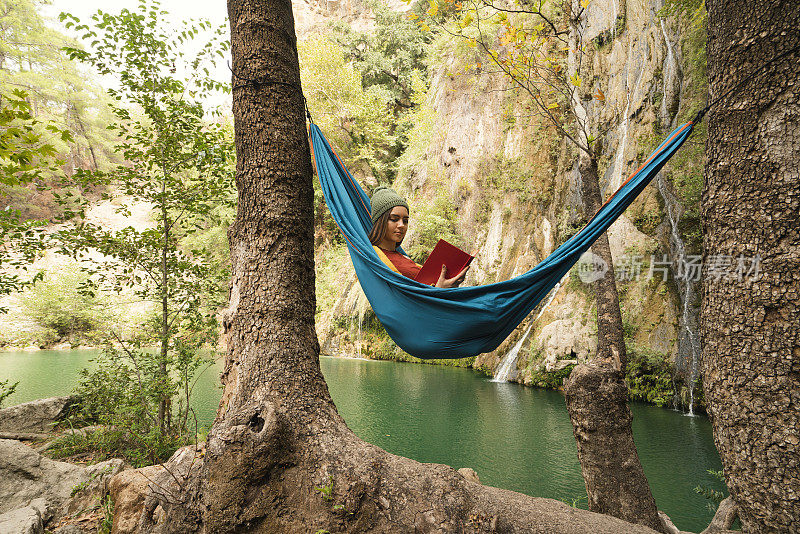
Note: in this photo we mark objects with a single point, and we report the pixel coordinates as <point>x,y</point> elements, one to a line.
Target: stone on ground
<point>25,520</point>
<point>35,416</point>
<point>127,490</point>
<point>54,489</point>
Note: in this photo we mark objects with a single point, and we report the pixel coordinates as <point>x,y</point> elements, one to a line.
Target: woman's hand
<point>451,282</point>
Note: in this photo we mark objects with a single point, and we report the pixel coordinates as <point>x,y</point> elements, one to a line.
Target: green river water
<point>515,437</point>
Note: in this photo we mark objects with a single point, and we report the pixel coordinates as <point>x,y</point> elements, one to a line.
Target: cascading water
<point>686,275</point>
<point>504,371</point>
<point>361,305</point>
<point>618,170</point>
<point>688,358</point>
<point>360,323</point>
<point>511,358</point>
<point>672,81</point>
<point>614,15</point>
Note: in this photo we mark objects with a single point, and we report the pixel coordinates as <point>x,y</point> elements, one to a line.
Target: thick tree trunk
<point>597,398</point>
<point>750,324</point>
<point>279,458</point>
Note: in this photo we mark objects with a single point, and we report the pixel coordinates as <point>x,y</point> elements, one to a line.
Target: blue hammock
<point>430,322</point>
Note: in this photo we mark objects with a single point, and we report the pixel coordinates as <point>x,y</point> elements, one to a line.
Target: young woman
<point>389,213</point>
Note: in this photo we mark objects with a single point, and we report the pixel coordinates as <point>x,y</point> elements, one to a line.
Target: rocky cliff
<point>502,181</point>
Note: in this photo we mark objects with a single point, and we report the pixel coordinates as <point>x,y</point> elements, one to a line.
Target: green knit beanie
<point>383,199</point>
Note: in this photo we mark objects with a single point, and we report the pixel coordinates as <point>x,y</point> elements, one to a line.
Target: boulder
<point>27,476</point>
<point>87,495</point>
<point>138,494</point>
<point>26,520</point>
<point>59,487</point>
<point>128,490</point>
<point>36,416</point>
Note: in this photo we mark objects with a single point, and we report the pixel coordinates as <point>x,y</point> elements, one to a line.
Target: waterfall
<point>671,73</point>
<point>361,309</point>
<point>358,343</point>
<point>510,360</point>
<point>614,15</point>
<point>669,69</point>
<point>617,175</point>
<point>688,358</point>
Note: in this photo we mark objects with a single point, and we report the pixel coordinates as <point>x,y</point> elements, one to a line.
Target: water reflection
<point>514,437</point>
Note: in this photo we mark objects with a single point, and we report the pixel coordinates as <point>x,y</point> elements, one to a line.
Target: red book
<point>443,254</point>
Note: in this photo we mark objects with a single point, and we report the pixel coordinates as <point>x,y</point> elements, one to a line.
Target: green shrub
<point>629,327</point>
<point>116,443</point>
<point>649,376</point>
<point>124,393</point>
<point>551,380</point>
<point>484,370</point>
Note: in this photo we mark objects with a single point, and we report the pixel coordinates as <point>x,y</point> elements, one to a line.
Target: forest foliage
<point>157,145</point>
<point>369,91</point>
<point>178,159</point>
<point>50,122</point>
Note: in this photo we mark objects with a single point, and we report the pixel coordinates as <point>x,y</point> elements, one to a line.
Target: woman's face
<point>397,225</point>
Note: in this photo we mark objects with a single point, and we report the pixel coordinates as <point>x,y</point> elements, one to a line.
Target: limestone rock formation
<point>35,416</point>
<point>37,486</point>
<point>127,490</point>
<point>26,520</point>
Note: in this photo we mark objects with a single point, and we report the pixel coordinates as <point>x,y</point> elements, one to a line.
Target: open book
<point>443,254</point>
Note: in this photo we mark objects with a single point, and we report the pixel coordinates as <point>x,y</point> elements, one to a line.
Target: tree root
<point>279,480</point>
<point>724,517</point>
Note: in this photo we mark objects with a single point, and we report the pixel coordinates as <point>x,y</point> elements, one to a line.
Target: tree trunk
<point>750,330</point>
<point>279,458</point>
<point>597,397</point>
<point>163,372</point>
<point>610,334</point>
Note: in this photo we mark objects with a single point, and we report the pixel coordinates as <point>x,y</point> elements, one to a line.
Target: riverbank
<point>59,346</point>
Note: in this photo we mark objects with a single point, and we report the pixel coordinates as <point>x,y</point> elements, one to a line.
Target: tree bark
<point>751,208</point>
<point>163,398</point>
<point>610,333</point>
<point>597,397</point>
<point>279,458</point>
